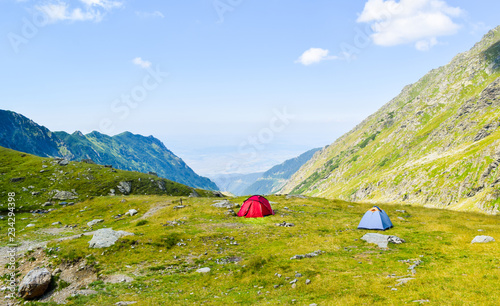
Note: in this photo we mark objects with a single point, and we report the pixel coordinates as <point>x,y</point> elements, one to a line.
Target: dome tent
<point>375,219</point>
<point>254,207</point>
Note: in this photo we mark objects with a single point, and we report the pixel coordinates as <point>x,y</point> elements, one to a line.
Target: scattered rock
<point>84,292</point>
<point>30,225</point>
<point>179,206</point>
<point>106,237</point>
<point>298,274</point>
<point>402,281</point>
<point>230,212</point>
<point>124,187</point>
<point>294,281</point>
<point>57,223</point>
<point>64,195</point>
<point>421,301</point>
<point>16,179</point>
<point>298,196</point>
<point>285,224</point>
<point>294,286</point>
<point>224,204</point>
<point>482,239</point>
<point>131,212</point>
<point>309,255</point>
<point>308,281</point>
<point>56,271</point>
<point>381,240</point>
<point>217,194</point>
<point>203,270</point>
<point>94,222</point>
<point>34,283</point>
<point>125,303</point>
<point>88,161</point>
<point>47,204</point>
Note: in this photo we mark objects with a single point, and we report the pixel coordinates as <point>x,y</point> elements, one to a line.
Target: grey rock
<point>421,301</point>
<point>223,204</point>
<point>203,270</point>
<point>298,275</point>
<point>125,303</point>
<point>179,206</point>
<point>482,239</point>
<point>94,222</point>
<point>131,212</point>
<point>194,194</point>
<point>64,195</point>
<point>30,225</point>
<point>381,240</point>
<point>308,255</point>
<point>124,187</point>
<point>161,185</point>
<point>47,204</point>
<point>308,281</point>
<point>106,237</point>
<point>403,281</point>
<point>230,212</point>
<point>34,283</point>
<point>57,223</point>
<point>56,271</point>
<point>285,224</point>
<point>294,281</point>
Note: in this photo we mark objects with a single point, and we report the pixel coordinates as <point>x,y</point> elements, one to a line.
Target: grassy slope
<point>377,160</point>
<point>86,179</point>
<point>350,272</point>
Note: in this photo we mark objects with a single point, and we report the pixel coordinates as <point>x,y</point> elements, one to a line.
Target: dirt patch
<point>153,210</point>
<point>118,278</point>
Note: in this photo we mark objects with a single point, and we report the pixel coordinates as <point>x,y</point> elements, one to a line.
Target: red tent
<point>254,207</point>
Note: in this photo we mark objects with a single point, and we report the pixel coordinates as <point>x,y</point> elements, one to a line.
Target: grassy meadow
<point>245,255</point>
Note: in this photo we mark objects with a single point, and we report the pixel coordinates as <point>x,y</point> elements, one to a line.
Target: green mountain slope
<point>129,151</point>
<point>36,180</point>
<point>275,178</point>
<point>125,151</point>
<point>437,143</point>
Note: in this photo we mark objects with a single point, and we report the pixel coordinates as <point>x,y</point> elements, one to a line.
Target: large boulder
<point>106,237</point>
<point>34,283</point>
<point>381,240</point>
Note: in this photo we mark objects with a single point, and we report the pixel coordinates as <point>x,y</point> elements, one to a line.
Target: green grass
<point>87,180</point>
<point>350,272</point>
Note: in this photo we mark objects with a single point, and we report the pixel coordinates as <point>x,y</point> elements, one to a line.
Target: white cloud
<point>314,56</point>
<point>92,10</point>
<point>410,21</point>
<point>142,63</point>
<point>155,14</point>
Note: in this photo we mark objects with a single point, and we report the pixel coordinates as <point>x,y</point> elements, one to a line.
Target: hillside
<point>37,181</point>
<point>436,144</point>
<point>125,151</point>
<point>275,178</point>
<point>250,260</point>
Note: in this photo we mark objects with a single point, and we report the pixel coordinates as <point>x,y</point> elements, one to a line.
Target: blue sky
<point>228,85</point>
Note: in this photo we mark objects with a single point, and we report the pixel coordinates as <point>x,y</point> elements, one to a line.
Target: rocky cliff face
<point>437,143</point>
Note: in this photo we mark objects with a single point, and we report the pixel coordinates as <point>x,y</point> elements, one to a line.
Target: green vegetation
<point>162,260</point>
<point>34,180</point>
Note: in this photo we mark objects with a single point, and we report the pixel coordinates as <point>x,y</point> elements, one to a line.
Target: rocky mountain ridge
<point>437,143</point>
<point>125,151</point>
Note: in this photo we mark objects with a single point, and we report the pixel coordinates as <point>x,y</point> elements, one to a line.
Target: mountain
<point>275,178</point>
<point>437,143</point>
<point>235,183</point>
<point>125,151</point>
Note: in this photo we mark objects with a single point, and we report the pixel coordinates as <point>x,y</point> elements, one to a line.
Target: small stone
<point>298,275</point>
<point>56,223</point>
<point>30,225</point>
<point>308,281</point>
<point>131,212</point>
<point>294,286</point>
<point>203,270</point>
